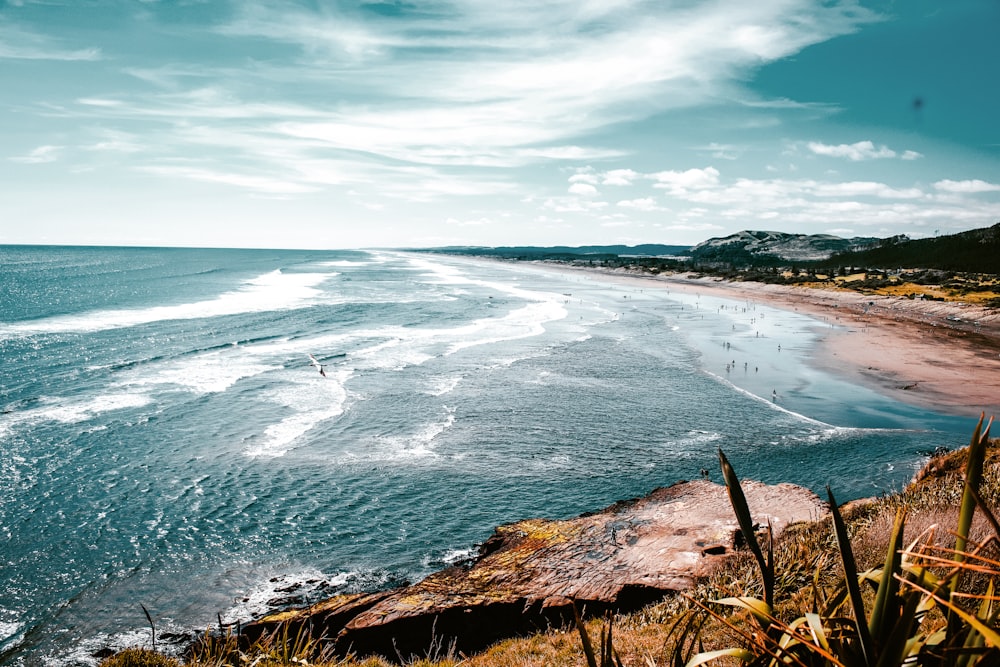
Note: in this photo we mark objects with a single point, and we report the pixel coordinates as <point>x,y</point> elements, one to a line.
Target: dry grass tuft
<point>139,657</point>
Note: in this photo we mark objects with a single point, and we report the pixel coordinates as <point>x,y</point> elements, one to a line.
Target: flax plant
<point>920,615</point>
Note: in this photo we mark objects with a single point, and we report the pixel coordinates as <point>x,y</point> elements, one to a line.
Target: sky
<point>324,124</point>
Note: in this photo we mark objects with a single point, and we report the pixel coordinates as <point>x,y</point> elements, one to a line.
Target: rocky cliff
<point>528,574</point>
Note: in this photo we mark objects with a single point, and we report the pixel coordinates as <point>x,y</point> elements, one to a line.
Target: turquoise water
<point>165,441</point>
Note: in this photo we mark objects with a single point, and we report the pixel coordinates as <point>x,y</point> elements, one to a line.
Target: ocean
<point>166,442</point>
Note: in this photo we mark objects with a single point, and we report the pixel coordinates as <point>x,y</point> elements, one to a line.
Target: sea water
<point>166,441</point>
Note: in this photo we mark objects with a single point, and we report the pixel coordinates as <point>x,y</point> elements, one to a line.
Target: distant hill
<point>568,252</point>
<point>765,247</point>
<point>976,251</point>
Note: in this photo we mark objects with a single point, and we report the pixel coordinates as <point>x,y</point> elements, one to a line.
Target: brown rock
<point>529,574</point>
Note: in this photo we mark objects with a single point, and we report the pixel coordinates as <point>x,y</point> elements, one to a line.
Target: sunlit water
<point>165,441</point>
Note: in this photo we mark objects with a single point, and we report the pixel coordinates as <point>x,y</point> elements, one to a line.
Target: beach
<point>178,431</point>
<point>939,355</point>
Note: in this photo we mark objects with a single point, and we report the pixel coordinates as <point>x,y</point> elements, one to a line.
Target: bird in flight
<point>314,362</point>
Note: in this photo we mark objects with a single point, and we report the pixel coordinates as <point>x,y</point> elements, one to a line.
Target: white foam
<point>269,291</point>
<point>85,649</point>
<point>418,445</point>
<point>344,263</point>
<point>701,437</point>
<point>206,373</point>
<point>313,401</point>
<point>258,601</point>
<point>443,385</point>
<point>400,351</point>
<point>9,634</point>
<point>827,430</point>
<point>453,556</point>
<point>771,404</point>
<point>521,323</point>
<point>70,411</point>
<point>452,275</point>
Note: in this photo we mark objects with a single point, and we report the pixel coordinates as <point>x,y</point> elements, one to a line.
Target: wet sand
<point>940,355</point>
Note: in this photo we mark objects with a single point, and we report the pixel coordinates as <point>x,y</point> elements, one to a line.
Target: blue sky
<point>357,124</point>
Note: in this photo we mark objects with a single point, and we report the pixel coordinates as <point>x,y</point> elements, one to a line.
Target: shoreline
<point>938,355</point>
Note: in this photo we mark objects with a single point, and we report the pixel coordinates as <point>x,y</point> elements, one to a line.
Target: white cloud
<point>866,189</point>
<point>573,205</point>
<point>722,151</point>
<point>643,204</point>
<point>450,100</point>
<point>679,183</point>
<point>702,194</point>
<point>861,150</point>
<point>695,227</point>
<point>967,187</point>
<point>619,177</point>
<point>99,102</point>
<point>39,155</point>
<point>583,189</point>
<point>585,177</point>
<point>493,85</point>
<point>17,43</point>
<point>261,184</point>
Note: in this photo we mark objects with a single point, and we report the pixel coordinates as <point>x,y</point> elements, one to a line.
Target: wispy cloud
<point>112,141</point>
<point>583,189</point>
<point>641,204</point>
<point>722,151</point>
<point>862,189</point>
<point>480,84</point>
<point>680,182</point>
<point>255,183</point>
<point>619,177</point>
<point>18,43</point>
<point>392,106</point>
<point>99,102</point>
<point>707,192</point>
<point>861,150</point>
<point>432,100</point>
<point>967,187</point>
<point>39,155</point>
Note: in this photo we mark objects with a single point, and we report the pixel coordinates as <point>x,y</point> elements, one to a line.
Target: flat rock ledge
<point>528,574</point>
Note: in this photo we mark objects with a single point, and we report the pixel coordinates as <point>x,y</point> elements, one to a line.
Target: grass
<point>807,564</point>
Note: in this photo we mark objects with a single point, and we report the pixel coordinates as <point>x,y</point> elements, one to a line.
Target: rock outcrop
<point>528,574</point>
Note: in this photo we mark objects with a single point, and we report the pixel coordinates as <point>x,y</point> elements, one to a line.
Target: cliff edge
<point>529,574</point>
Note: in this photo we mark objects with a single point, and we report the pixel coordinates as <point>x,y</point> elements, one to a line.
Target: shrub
<point>139,657</point>
<point>923,606</point>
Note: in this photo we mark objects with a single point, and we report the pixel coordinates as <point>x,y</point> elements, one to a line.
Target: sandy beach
<point>934,354</point>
